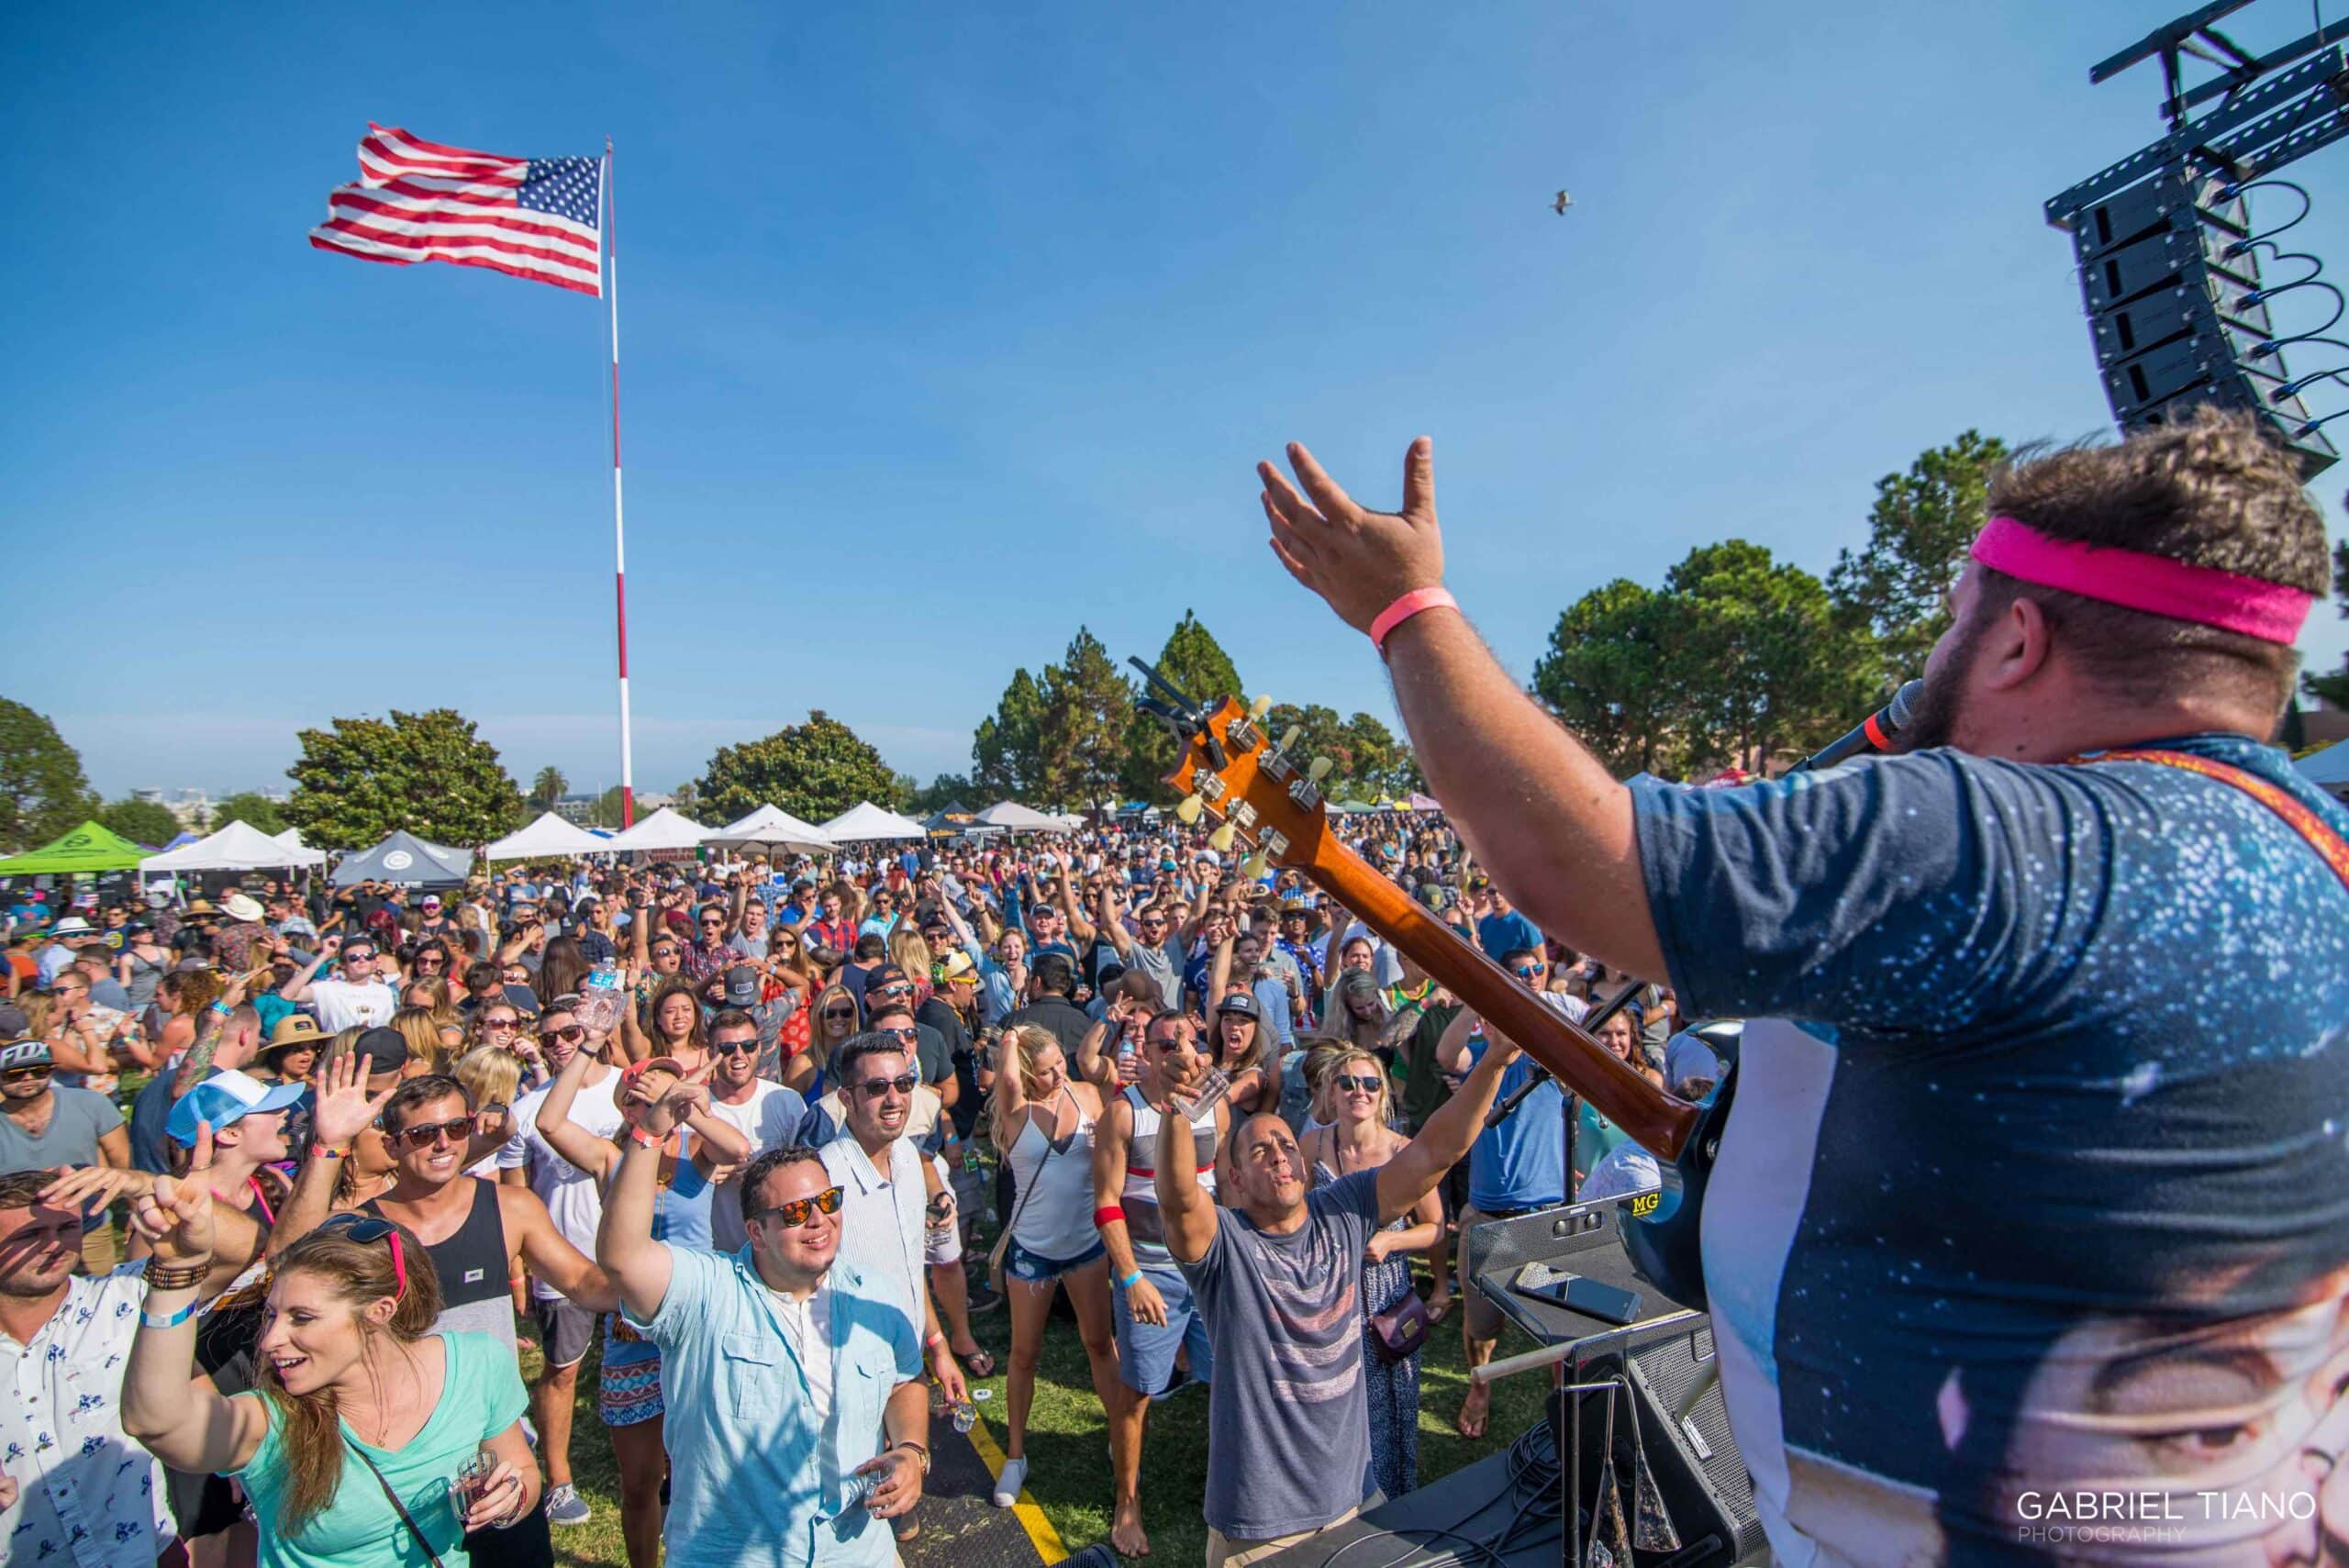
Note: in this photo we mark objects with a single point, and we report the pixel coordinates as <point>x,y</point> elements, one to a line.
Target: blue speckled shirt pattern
<point>2038,1174</point>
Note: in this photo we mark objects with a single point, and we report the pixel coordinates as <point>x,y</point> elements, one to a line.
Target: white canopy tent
<point>291,838</point>
<point>238,847</point>
<point>1018,818</point>
<point>548,838</point>
<point>865,821</point>
<point>2328,769</point>
<point>664,830</point>
<point>771,826</point>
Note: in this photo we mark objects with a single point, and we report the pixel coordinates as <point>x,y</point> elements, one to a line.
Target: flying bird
<point>1561,203</point>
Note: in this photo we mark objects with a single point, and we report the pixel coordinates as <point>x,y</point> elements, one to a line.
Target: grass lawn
<point>1068,1473</point>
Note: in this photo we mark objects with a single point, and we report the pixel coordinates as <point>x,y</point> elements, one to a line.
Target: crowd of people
<point>745,1128</point>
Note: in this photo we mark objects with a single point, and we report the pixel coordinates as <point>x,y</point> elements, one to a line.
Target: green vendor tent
<point>89,848</point>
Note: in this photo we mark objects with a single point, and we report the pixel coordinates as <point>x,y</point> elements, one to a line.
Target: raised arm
<point>1092,1060</point>
<point>1451,1046</point>
<point>590,1154</point>
<point>637,1264</point>
<point>1443,1142</point>
<point>297,990</point>
<point>1080,929</point>
<point>1113,924</point>
<point>179,1417</point>
<point>548,1256</point>
<point>340,1110</point>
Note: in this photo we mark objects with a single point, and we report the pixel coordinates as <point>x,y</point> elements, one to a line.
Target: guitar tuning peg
<point>1188,809</point>
<point>1318,770</point>
<point>1224,837</point>
<point>1260,706</point>
<point>1289,741</point>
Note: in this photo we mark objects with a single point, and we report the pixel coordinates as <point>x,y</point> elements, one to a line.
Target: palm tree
<point>548,788</point>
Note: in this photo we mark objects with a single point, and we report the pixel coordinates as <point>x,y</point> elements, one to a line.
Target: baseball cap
<point>741,986</point>
<point>25,1054</point>
<point>1240,1002</point>
<point>223,1097</point>
<point>888,974</point>
<point>384,1049</point>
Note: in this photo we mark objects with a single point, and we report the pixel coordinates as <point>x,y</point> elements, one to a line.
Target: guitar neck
<point>1659,1123</point>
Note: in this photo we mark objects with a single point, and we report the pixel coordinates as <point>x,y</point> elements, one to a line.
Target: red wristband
<point>1403,608</point>
<point>1106,1213</point>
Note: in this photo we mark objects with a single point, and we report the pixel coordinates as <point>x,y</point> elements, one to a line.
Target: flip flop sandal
<point>971,1363</point>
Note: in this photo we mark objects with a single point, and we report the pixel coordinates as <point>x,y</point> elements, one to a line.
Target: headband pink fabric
<point>2155,584</point>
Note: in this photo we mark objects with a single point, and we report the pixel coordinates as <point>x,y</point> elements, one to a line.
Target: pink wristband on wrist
<point>1403,608</point>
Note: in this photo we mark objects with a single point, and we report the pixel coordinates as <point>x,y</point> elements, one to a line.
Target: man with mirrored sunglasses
<point>795,1382</point>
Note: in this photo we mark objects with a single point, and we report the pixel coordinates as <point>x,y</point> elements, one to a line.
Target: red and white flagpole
<point>619,531</point>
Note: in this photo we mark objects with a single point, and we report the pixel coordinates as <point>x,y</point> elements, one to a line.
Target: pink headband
<point>2135,580</point>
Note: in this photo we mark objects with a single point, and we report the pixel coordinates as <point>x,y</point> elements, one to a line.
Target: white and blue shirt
<point>2045,1189</point>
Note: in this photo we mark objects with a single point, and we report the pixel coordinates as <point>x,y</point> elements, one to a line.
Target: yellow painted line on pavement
<point>1031,1517</point>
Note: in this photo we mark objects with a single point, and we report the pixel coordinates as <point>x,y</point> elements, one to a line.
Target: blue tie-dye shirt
<point>2049,1189</point>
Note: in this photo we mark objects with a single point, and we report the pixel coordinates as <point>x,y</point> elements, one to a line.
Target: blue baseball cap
<point>222,1099</point>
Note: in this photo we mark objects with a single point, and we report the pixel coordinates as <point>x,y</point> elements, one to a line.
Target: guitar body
<point>1661,1229</point>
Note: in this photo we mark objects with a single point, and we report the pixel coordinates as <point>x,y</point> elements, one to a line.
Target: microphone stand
<point>1506,1109</point>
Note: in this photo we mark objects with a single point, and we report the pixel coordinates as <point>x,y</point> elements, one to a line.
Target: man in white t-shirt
<point>764,1112</point>
<point>358,1000</point>
<point>576,1205</point>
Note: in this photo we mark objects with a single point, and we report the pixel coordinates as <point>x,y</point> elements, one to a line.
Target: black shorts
<point>565,1330</point>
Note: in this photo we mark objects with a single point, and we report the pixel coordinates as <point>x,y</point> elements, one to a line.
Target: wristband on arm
<point>1403,608</point>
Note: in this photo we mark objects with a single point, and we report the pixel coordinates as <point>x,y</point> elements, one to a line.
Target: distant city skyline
<point>944,334</point>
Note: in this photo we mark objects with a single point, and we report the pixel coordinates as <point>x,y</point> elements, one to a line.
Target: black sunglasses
<point>878,1088</point>
<point>839,1012</point>
<point>1348,1081</point>
<point>797,1211</point>
<point>25,1075</point>
<point>458,1128</point>
<point>570,1034</point>
<point>733,1047</point>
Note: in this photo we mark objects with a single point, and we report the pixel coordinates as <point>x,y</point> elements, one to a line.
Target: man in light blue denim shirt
<point>783,1375</point>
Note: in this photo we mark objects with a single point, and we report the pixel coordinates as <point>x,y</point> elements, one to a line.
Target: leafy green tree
<point>1374,758</point>
<point>608,809</point>
<point>1088,708</point>
<point>427,772</point>
<point>1196,664</point>
<point>1918,532</point>
<point>147,822</point>
<point>1008,753</point>
<point>43,792</point>
<point>1758,655</point>
<point>256,810</point>
<point>945,790</point>
<point>2334,688</point>
<point>548,788</point>
<point>686,801</point>
<point>1609,675</point>
<point>814,771</point>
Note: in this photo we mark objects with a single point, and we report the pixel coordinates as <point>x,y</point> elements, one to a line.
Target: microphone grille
<point>1904,701</point>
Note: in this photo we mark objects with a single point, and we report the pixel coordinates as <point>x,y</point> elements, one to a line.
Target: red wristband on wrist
<point>1403,608</point>
<point>1106,1213</point>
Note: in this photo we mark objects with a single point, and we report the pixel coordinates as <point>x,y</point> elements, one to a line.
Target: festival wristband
<point>149,1320</point>
<point>1403,608</point>
<point>638,1137</point>
<point>328,1151</point>
<point>933,1342</point>
<point>1106,1213</point>
<point>224,1010</point>
<point>1130,1281</point>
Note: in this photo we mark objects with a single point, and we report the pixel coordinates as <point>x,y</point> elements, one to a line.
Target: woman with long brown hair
<point>368,1435</point>
<point>675,1026</point>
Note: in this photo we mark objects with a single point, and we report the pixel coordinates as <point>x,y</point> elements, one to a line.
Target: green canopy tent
<point>90,848</point>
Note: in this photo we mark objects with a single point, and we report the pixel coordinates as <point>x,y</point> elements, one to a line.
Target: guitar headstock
<point>1262,794</point>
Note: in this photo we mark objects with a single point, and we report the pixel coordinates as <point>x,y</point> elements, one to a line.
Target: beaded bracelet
<point>162,1276</point>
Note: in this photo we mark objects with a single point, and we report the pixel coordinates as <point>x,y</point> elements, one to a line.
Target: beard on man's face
<point>1934,720</point>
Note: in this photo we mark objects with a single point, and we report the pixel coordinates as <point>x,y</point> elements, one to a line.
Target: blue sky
<point>945,330</point>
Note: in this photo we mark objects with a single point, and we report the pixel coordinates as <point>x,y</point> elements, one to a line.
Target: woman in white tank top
<point>1043,1123</point>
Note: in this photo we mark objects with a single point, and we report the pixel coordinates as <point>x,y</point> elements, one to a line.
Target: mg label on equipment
<point>1696,1439</point>
<point>1645,1205</point>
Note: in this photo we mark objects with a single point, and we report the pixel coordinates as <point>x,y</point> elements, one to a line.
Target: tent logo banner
<point>398,859</point>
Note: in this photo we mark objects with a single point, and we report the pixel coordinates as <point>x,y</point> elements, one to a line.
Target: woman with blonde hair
<point>425,1040</point>
<point>832,1020</point>
<point>493,1076</point>
<point>432,992</point>
<point>1043,1123</point>
<point>358,1402</point>
<point>1350,1088</point>
<point>909,952</point>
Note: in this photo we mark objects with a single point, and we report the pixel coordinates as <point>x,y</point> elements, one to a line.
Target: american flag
<point>417,201</point>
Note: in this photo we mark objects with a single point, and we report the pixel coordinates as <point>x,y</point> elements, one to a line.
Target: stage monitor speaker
<point>1683,1433</point>
<point>2171,280</point>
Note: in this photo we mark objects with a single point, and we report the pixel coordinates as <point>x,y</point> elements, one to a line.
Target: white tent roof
<point>1020,818</point>
<point>549,838</point>
<point>2329,767</point>
<point>773,824</point>
<point>291,838</point>
<point>664,830</point>
<point>238,847</point>
<point>865,820</point>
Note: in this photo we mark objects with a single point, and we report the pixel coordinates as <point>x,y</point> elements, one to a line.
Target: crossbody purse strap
<point>2282,802</point>
<point>394,1498</point>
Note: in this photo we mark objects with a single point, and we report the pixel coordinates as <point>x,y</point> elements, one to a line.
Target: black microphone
<point>1876,732</point>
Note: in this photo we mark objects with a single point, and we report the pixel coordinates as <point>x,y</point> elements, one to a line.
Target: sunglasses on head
<point>876,1088</point>
<point>367,1229</point>
<point>457,1129</point>
<point>797,1211</point>
<point>1368,1086</point>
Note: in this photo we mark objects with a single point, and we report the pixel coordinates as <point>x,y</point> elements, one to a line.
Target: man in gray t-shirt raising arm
<point>1278,1278</point>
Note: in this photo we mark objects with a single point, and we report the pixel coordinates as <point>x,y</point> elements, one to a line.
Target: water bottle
<point>856,1489</point>
<point>599,1000</point>
<point>965,1414</point>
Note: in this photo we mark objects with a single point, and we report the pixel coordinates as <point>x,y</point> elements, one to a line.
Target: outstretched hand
<point>175,1220</point>
<point>1358,560</point>
<point>342,1108</point>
